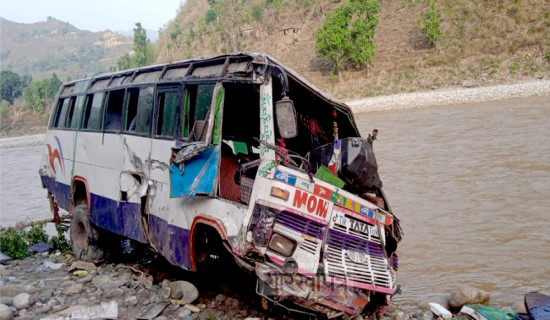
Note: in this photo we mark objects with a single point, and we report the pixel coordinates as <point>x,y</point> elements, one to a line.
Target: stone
<point>469,83</point>
<point>165,293</point>
<point>22,301</point>
<point>11,290</point>
<point>183,290</point>
<point>74,289</point>
<point>519,306</point>
<point>101,280</point>
<point>5,312</point>
<point>131,301</point>
<point>142,294</point>
<point>6,300</point>
<point>220,298</point>
<point>400,315</point>
<point>466,294</point>
<point>46,294</point>
<point>43,309</point>
<point>161,318</point>
<point>82,301</point>
<point>232,303</point>
<point>114,293</point>
<point>30,289</point>
<point>183,312</point>
<point>66,284</point>
<point>85,280</point>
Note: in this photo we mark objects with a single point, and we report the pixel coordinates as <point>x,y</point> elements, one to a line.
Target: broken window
<point>113,115</point>
<point>241,123</point>
<point>198,99</point>
<point>139,109</point>
<point>92,111</point>
<point>168,104</point>
<point>77,113</point>
<point>64,107</point>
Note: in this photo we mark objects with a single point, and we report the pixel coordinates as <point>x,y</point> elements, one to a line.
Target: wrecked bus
<point>236,152</point>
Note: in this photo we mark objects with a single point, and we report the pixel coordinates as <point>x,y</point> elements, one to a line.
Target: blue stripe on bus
<point>122,218</point>
<point>171,242</point>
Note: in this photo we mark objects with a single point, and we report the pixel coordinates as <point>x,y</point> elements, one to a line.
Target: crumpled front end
<point>321,248</point>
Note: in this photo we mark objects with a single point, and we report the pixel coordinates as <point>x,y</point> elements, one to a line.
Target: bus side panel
<point>99,161</point>
<point>57,164</point>
<point>171,241</point>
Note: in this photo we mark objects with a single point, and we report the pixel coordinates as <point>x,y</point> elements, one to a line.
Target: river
<point>470,183</point>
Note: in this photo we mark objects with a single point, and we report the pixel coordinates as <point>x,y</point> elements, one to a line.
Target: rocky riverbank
<point>55,286</point>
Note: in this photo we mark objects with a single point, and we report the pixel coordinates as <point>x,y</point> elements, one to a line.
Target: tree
<point>38,94</point>
<point>11,85</point>
<point>143,54</point>
<point>347,36</point>
<point>142,47</point>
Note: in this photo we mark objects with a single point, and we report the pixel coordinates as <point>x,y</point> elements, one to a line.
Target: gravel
<point>450,96</point>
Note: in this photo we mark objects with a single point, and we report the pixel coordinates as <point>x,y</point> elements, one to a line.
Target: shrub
<point>431,24</point>
<point>13,244</point>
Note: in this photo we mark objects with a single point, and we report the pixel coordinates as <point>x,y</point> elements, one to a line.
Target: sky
<point>94,15</point>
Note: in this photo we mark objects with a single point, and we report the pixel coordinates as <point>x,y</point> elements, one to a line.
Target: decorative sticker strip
<point>333,196</point>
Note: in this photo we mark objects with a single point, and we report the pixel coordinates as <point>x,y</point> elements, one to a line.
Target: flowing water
<point>470,183</point>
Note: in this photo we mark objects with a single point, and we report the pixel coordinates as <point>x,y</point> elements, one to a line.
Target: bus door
<point>136,146</point>
<point>185,121</point>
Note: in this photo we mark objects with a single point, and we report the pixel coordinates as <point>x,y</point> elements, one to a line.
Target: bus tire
<point>84,237</point>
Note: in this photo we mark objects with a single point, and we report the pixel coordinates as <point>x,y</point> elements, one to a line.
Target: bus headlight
<point>290,266</point>
<point>282,245</point>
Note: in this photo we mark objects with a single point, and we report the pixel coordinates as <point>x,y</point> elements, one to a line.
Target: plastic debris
<point>4,258</point>
<point>440,311</point>
<point>107,310</point>
<point>472,313</point>
<point>80,273</point>
<point>40,247</point>
<point>49,265</point>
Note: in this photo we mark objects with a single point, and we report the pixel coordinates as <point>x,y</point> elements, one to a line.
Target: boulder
<point>6,300</point>
<point>22,301</point>
<point>6,313</point>
<point>466,294</point>
<point>183,290</point>
<point>11,290</point>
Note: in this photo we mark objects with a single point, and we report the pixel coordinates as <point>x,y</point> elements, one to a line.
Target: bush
<point>547,55</point>
<point>431,24</point>
<point>13,244</point>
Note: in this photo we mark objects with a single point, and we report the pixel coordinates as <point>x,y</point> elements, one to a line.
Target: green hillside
<point>52,46</point>
<point>481,43</point>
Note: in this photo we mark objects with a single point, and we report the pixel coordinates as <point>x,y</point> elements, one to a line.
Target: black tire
<point>84,237</point>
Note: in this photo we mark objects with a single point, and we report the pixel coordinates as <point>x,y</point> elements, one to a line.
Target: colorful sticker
<point>285,177</point>
<point>322,192</point>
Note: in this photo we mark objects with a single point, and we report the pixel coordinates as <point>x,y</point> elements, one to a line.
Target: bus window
<point>113,115</point>
<point>197,103</point>
<point>77,113</point>
<point>140,106</point>
<point>61,112</point>
<point>168,103</point>
<point>92,114</point>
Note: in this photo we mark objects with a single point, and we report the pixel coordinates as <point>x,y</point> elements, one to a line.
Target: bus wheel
<point>84,237</point>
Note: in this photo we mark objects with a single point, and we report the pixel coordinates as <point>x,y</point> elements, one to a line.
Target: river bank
<point>55,286</point>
